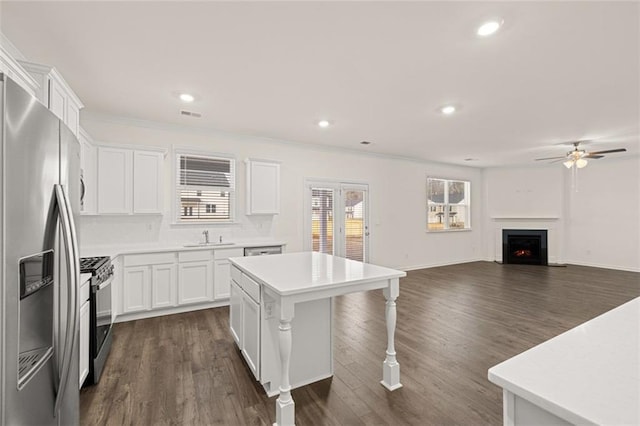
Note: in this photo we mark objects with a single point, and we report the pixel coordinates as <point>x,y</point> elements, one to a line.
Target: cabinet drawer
<point>149,259</point>
<point>236,275</point>
<point>227,253</point>
<point>251,287</point>
<point>194,256</point>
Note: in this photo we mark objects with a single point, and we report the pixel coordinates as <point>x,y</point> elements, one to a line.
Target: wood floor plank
<point>454,323</point>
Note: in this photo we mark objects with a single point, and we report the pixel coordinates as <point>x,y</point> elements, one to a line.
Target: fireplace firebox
<point>524,246</point>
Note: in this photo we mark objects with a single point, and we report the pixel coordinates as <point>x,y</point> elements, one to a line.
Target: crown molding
<point>210,131</point>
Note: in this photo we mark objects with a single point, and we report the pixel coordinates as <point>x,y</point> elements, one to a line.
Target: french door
<point>337,219</point>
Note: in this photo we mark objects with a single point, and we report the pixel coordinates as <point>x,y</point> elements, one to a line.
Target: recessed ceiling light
<point>488,28</point>
<point>186,97</point>
<point>448,109</point>
<point>323,123</point>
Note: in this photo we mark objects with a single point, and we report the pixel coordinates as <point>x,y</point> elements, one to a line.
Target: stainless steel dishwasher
<point>261,251</point>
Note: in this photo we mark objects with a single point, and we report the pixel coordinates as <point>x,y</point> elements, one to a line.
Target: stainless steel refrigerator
<point>39,187</point>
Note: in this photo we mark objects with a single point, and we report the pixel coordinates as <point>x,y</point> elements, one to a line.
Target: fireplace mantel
<point>525,218</point>
<point>552,224</point>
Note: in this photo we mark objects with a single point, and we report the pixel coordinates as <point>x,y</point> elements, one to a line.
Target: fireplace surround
<point>525,246</point>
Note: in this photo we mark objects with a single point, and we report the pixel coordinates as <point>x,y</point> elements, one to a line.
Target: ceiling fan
<point>579,157</point>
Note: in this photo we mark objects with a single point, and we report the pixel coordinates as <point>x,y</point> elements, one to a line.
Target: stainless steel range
<point>101,271</point>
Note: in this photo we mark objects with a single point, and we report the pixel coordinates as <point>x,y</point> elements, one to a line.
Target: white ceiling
<point>379,71</point>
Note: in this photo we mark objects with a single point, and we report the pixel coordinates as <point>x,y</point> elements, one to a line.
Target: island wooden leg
<point>285,407</point>
<point>390,366</point>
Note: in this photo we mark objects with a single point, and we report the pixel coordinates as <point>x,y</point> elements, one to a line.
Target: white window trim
<point>175,213</point>
<point>446,217</point>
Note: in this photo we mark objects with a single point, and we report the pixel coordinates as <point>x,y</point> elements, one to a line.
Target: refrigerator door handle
<point>61,208</point>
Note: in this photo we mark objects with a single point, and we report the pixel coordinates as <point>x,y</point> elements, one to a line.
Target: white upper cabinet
<point>88,175</point>
<point>147,181</point>
<point>115,166</point>
<point>130,181</point>
<point>55,94</point>
<point>263,187</point>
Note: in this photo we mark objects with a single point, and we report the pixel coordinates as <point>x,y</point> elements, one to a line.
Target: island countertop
<point>302,272</point>
<point>587,375</point>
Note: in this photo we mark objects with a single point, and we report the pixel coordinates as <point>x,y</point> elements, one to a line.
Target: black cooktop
<point>92,264</point>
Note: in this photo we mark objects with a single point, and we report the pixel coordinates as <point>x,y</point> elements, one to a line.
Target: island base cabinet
<point>235,313</point>
<point>311,351</point>
<point>251,334</point>
<point>520,412</point>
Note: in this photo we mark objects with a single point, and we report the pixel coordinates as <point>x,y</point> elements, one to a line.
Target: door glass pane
<point>322,220</point>
<point>354,224</point>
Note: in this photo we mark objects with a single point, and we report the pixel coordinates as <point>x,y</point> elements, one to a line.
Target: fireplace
<point>524,246</point>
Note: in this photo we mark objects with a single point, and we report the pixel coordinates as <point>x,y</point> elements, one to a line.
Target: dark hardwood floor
<point>454,322</point>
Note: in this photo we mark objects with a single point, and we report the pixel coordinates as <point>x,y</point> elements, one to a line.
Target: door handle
<point>60,209</point>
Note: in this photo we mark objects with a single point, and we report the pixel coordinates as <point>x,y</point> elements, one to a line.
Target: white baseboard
<point>604,266</point>
<point>170,311</point>
<point>435,265</point>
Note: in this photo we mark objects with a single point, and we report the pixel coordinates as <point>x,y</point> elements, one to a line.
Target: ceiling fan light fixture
<point>568,164</point>
<point>581,163</point>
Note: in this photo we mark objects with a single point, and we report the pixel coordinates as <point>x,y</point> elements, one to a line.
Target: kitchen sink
<point>209,244</point>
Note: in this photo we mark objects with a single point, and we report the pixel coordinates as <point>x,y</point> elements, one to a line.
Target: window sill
<point>200,224</point>
<point>437,231</point>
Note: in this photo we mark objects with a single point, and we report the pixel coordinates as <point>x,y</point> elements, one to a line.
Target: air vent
<point>190,114</point>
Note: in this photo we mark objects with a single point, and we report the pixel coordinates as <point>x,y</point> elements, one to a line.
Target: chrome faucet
<point>206,236</point>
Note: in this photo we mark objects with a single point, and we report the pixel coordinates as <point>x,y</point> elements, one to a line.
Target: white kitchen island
<point>287,281</point>
<point>587,375</point>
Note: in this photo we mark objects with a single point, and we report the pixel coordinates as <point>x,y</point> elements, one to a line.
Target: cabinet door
<point>136,289</point>
<point>263,193</point>
<point>164,284</point>
<point>88,172</point>
<point>114,180</point>
<point>195,282</point>
<point>57,99</point>
<point>148,182</point>
<point>251,334</point>
<point>222,279</point>
<point>235,313</point>
<point>84,343</point>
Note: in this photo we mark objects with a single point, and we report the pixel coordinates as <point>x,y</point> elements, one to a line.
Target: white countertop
<point>117,250</point>
<point>589,374</point>
<point>302,272</point>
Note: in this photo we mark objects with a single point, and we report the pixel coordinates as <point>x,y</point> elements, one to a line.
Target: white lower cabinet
<point>195,282</point>
<point>251,333</point>
<point>222,271</point>
<point>255,328</point>
<point>137,289</point>
<point>163,286</point>
<point>235,313</point>
<point>83,361</point>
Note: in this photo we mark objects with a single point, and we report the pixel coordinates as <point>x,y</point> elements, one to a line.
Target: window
<point>205,188</point>
<point>448,204</point>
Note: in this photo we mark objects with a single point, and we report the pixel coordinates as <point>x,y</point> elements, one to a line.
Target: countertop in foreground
<point>587,375</point>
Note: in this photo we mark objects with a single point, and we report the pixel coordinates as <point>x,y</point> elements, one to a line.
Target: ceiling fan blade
<point>593,157</point>
<point>550,158</point>
<point>558,160</point>
<point>608,151</point>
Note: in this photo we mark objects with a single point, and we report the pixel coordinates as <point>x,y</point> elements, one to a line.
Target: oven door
<point>102,313</point>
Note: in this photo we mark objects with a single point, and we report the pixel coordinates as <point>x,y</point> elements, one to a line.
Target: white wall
<point>397,191</point>
<point>603,214</point>
<point>597,225</point>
